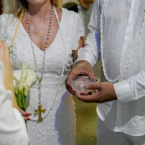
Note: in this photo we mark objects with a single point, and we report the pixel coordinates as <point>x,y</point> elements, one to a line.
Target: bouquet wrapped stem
<point>21,99</point>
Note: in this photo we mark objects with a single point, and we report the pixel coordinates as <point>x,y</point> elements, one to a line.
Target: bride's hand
<point>25,114</point>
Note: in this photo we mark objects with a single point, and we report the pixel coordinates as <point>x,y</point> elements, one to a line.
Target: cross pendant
<point>40,110</point>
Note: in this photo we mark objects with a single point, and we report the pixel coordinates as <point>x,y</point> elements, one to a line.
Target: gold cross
<point>39,111</point>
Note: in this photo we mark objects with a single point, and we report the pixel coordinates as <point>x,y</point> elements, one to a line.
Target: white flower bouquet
<point>23,79</point>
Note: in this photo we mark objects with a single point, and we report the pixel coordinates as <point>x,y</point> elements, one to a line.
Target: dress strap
<point>59,28</point>
<point>56,15</point>
<point>16,31</point>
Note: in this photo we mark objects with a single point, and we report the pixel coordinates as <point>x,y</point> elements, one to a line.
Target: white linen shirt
<point>122,22</point>
<point>12,125</point>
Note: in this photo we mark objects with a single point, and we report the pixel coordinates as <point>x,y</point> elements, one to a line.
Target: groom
<point>117,36</point>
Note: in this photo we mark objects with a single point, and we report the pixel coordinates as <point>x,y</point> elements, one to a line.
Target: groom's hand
<point>104,92</point>
<point>80,68</point>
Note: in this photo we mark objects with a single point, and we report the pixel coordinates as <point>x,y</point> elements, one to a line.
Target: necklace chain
<point>45,46</point>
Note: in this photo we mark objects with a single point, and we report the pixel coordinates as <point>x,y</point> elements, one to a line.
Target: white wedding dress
<point>58,125</point>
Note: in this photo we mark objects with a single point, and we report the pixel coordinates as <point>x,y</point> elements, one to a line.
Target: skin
<point>104,91</point>
<point>80,68</point>
<point>85,3</point>
<point>39,14</point>
<point>8,75</point>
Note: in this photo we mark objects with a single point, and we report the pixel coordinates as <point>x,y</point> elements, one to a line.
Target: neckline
<point>26,34</point>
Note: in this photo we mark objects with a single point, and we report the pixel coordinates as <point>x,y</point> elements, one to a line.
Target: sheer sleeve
<point>91,50</point>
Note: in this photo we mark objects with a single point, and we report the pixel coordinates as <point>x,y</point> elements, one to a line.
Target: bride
<point>42,35</point>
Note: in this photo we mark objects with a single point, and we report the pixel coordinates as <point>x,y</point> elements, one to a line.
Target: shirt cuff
<point>85,55</point>
<point>123,91</point>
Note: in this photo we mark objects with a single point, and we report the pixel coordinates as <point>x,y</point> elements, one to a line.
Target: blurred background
<point>86,117</point>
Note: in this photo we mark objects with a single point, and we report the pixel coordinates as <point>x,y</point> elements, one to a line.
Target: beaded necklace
<point>60,79</point>
<point>40,110</point>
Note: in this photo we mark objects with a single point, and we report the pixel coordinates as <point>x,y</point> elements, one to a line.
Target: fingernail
<point>28,119</point>
<point>82,94</point>
<point>73,90</point>
<point>28,114</point>
<point>87,86</point>
<point>89,93</point>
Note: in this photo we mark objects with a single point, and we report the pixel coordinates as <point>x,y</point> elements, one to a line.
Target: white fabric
<point>58,127</point>
<point>106,136</point>
<point>121,27</point>
<point>12,125</point>
<point>85,16</point>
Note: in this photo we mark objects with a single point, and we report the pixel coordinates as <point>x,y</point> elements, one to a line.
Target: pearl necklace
<point>35,62</point>
<point>120,76</point>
